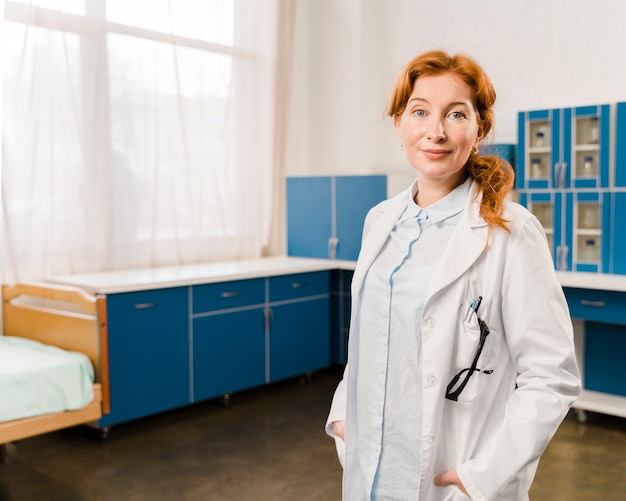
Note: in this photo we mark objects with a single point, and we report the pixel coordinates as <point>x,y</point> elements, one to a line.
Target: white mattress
<point>39,379</point>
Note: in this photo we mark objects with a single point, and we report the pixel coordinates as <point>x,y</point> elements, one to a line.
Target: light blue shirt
<point>389,381</point>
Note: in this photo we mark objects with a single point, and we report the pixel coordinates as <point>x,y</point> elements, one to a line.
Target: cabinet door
<point>228,337</point>
<point>354,197</point>
<point>299,338</point>
<point>299,327</point>
<point>605,345</point>
<point>309,218</point>
<point>550,209</point>
<point>148,353</point>
<point>590,235</point>
<point>340,315</point>
<point>228,353</point>
<point>543,159</point>
<point>590,147</point>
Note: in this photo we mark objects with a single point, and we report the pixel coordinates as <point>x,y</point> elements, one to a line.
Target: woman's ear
<point>396,123</point>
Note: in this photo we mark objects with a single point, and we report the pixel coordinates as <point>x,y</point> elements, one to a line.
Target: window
<point>136,133</point>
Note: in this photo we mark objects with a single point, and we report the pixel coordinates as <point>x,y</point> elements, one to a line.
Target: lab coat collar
<point>466,244</point>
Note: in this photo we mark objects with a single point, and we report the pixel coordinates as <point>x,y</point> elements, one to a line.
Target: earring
<point>402,146</point>
<point>475,151</point>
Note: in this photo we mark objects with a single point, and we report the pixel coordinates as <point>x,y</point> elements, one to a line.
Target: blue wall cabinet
<point>325,215</point>
<point>148,353</point>
<point>564,148</point>
<point>298,324</point>
<point>563,178</point>
<point>228,337</point>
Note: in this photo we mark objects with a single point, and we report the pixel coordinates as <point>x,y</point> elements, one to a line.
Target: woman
<point>461,359</point>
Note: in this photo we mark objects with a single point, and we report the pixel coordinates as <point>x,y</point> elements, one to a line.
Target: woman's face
<point>439,127</point>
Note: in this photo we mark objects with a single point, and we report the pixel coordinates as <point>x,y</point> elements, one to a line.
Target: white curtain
<point>140,133</point>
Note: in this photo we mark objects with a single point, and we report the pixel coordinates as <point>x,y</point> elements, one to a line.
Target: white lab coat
<point>495,433</point>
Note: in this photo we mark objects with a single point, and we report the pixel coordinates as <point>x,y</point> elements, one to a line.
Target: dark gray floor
<point>268,444</point>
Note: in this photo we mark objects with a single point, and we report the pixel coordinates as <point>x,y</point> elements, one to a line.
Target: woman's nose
<point>436,131</point>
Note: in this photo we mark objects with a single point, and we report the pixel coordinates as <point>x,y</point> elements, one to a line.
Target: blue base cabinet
<point>600,335</point>
<point>148,353</point>
<point>228,337</point>
<point>175,346</point>
<point>605,358</point>
<point>340,315</point>
<point>299,321</point>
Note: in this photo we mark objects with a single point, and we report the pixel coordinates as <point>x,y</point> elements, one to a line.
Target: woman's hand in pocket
<point>339,429</point>
<point>450,478</point>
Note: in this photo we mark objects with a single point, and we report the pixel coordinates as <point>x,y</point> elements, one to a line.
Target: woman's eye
<point>457,114</point>
<point>419,113</point>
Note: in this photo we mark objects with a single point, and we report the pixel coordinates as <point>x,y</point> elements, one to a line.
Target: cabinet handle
<point>333,242</point>
<point>560,171</point>
<point>268,318</point>
<point>144,306</point>
<point>565,254</point>
<point>298,285</point>
<point>230,294</point>
<point>560,262</point>
<point>593,304</point>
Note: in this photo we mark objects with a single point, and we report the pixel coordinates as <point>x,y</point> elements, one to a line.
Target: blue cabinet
<point>601,347</point>
<point>341,281</point>
<point>325,215</point>
<point>228,337</point>
<point>299,337</point>
<point>148,353</point>
<point>174,346</point>
<point>563,177</point>
<point>564,148</point>
<point>250,332</point>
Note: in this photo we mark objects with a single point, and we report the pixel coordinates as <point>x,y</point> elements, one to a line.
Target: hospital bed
<point>42,322</point>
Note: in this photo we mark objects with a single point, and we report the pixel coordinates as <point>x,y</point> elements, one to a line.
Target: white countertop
<point>597,281</point>
<point>111,282</point>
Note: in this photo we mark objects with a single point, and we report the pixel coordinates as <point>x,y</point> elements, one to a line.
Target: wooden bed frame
<point>66,317</point>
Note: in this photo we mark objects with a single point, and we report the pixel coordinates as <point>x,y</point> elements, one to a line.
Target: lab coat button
<point>430,322</point>
<point>432,380</point>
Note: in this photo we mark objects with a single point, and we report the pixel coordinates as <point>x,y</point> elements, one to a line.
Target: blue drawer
<point>605,346</point>
<point>597,305</point>
<point>228,295</point>
<point>299,285</point>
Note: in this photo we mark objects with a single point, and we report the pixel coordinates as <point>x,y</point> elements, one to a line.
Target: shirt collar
<point>448,206</point>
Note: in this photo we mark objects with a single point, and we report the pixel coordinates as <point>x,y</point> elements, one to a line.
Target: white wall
<point>538,54</point>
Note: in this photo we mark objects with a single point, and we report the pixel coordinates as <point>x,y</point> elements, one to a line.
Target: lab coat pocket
<point>472,339</point>
<point>453,493</point>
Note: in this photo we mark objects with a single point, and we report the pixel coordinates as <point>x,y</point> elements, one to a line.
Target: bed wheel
<point>225,400</point>
<point>103,433</point>
<point>581,416</point>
